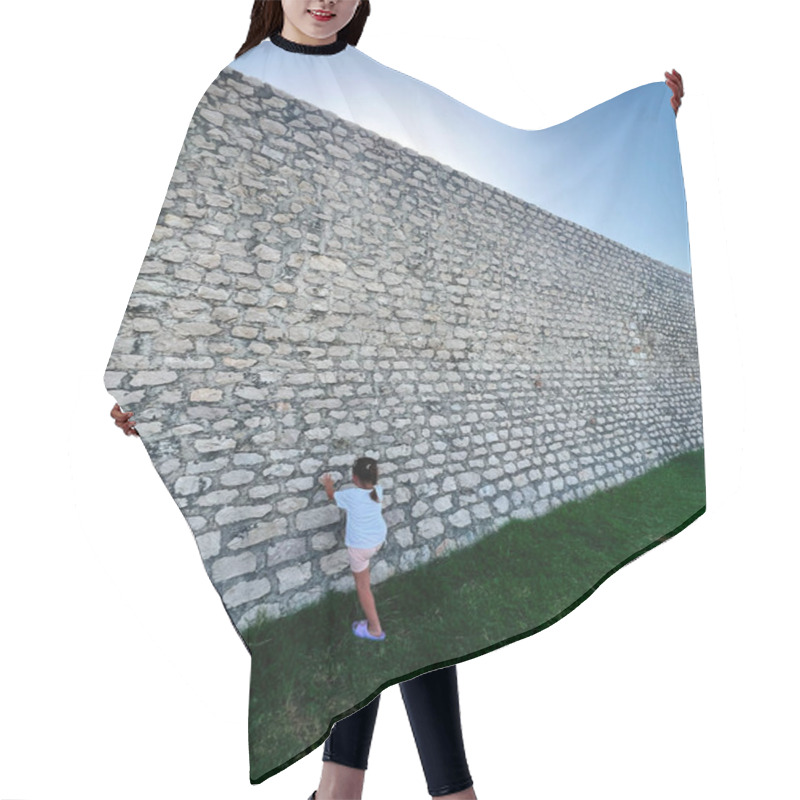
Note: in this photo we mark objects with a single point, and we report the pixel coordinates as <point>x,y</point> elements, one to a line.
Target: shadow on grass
<point>309,670</point>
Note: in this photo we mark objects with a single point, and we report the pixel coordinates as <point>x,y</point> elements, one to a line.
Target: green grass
<point>308,668</point>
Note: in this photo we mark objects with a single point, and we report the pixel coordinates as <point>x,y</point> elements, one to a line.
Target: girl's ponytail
<point>366,469</point>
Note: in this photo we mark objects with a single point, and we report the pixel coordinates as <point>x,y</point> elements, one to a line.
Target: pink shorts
<point>360,556</point>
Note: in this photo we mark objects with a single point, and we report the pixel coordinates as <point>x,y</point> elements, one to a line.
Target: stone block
<point>209,544</point>
<point>293,577</point>
<point>258,534</point>
<point>288,549</point>
<point>219,497</point>
<point>240,513</point>
<point>186,485</point>
<point>460,519</point>
<point>320,517</point>
<point>153,377</point>
<point>228,567</point>
<point>246,591</point>
<point>324,541</point>
<point>237,477</point>
<point>430,527</point>
<point>205,395</point>
<point>335,562</point>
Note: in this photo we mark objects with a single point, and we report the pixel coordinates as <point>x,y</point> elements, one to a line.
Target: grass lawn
<point>309,669</point>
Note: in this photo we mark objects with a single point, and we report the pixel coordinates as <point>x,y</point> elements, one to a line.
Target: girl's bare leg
<point>339,782</point>
<point>367,601</point>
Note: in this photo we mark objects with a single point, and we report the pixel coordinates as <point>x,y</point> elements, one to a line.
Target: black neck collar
<point>308,49</point>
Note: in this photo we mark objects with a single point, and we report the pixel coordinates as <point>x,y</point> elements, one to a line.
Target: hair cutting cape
<point>350,263</point>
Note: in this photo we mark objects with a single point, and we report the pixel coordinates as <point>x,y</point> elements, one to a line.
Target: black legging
<point>432,706</point>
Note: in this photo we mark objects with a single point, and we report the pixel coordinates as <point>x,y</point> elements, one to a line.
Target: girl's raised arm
<point>327,482</point>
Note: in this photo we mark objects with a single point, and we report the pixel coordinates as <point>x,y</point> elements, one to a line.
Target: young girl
<point>364,535</point>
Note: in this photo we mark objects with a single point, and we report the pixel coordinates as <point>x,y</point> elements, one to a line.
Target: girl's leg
<point>346,753</point>
<point>432,705</point>
<point>367,600</point>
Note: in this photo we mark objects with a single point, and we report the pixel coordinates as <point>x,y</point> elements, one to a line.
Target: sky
<point>614,168</point>
<point>120,674</point>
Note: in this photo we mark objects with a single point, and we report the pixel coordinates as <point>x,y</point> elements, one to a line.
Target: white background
<point>120,673</point>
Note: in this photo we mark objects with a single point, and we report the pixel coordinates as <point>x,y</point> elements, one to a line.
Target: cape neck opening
<point>308,49</point>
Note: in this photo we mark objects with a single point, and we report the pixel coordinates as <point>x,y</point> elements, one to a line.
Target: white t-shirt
<point>366,526</point>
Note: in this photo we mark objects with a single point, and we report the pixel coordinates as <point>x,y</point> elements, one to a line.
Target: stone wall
<point>314,293</point>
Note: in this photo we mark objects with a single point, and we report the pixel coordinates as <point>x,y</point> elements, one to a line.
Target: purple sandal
<point>360,630</point>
